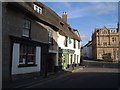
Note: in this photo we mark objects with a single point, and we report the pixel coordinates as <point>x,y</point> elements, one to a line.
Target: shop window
<point>27,54</point>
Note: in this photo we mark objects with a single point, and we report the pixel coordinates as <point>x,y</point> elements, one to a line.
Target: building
<point>105,44</point>
<point>86,51</point>
<point>119,28</point>
<point>69,45</point>
<point>31,34</point>
<point>23,41</point>
<point>119,42</point>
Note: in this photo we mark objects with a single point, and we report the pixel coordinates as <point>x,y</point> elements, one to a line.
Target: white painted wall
<point>61,40</point>
<point>87,51</point>
<point>90,51</point>
<point>15,61</point>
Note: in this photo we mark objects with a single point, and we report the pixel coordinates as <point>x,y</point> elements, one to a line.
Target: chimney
<point>64,16</point>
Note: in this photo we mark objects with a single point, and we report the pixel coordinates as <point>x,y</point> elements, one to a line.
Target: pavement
<point>30,81</point>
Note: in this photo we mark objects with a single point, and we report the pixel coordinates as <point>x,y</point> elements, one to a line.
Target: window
<point>104,43</point>
<point>113,39</point>
<point>38,9</point>
<point>27,54</point>
<point>61,23</point>
<point>97,31</point>
<point>74,44</point>
<point>103,37</point>
<point>113,30</point>
<point>65,43</point>
<point>26,28</point>
<point>104,32</point>
<point>50,38</point>
<point>69,28</point>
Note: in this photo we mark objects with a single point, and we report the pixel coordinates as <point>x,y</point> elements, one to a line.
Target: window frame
<point>113,39</point>
<point>66,41</point>
<point>74,43</point>
<point>26,60</point>
<point>50,37</point>
<point>105,44</point>
<point>26,27</point>
<point>38,9</point>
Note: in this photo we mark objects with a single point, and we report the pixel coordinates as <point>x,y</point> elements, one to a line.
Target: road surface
<point>86,78</point>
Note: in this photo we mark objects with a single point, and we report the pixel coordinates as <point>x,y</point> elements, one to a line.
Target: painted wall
<point>61,40</point>
<point>13,25</point>
<point>87,52</point>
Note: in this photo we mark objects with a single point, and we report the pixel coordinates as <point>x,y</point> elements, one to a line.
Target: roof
<point>88,44</point>
<point>50,18</point>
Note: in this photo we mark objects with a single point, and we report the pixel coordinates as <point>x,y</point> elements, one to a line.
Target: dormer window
<point>38,9</point>
<point>69,28</point>
<point>113,30</point>
<point>61,23</point>
<point>104,32</point>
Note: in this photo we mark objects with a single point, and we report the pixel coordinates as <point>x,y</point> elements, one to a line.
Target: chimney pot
<point>64,16</point>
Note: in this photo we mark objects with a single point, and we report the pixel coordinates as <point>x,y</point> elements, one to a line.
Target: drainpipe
<point>46,62</point>
<point>119,29</point>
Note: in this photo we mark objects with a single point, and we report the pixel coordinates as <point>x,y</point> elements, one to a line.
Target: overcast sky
<point>85,16</point>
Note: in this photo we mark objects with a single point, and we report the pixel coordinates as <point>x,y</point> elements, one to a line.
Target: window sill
<point>27,65</point>
<point>26,37</point>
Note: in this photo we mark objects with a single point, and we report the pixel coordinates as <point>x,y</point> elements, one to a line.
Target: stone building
<point>119,42</point>
<point>105,44</point>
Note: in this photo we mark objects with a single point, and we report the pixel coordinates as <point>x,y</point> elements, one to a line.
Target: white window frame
<point>50,37</point>
<point>38,9</point>
<point>26,28</point>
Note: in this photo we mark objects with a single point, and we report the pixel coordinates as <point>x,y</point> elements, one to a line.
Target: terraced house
<point>69,46</point>
<point>34,37</point>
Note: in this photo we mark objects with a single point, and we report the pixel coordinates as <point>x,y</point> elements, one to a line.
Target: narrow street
<point>89,77</point>
<point>60,44</point>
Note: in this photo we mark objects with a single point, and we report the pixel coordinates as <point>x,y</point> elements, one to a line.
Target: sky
<point>86,16</point>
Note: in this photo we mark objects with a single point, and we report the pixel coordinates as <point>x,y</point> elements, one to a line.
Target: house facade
<point>33,40</point>
<point>69,45</point>
<point>86,51</point>
<point>105,44</point>
<point>23,41</point>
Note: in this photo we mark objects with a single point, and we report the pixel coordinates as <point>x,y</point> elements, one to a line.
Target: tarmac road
<point>86,78</point>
